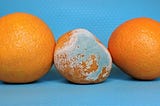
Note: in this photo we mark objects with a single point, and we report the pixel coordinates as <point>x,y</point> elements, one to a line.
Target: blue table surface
<point>101,17</point>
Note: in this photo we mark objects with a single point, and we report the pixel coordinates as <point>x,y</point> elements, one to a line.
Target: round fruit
<point>81,58</point>
<point>135,48</point>
<point>26,48</point>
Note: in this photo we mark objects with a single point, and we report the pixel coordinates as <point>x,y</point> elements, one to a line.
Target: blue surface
<point>101,17</point>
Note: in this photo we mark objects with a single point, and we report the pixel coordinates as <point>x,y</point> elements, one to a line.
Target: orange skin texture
<point>135,48</point>
<point>26,48</point>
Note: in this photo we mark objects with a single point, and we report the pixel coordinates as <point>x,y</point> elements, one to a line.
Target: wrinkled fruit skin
<point>81,58</point>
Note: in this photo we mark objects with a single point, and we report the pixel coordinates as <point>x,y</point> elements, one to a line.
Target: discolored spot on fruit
<point>104,74</point>
<point>81,58</point>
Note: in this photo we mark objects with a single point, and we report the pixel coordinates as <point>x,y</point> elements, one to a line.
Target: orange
<point>26,48</point>
<point>81,58</point>
<point>135,48</point>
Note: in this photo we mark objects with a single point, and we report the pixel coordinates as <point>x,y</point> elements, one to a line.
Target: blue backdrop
<point>101,17</point>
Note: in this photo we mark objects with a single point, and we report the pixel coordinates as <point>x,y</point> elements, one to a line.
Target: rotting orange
<point>81,58</point>
<point>135,48</point>
<point>26,48</point>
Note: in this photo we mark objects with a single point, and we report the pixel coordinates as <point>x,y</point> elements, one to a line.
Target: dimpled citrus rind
<point>26,48</point>
<point>135,48</point>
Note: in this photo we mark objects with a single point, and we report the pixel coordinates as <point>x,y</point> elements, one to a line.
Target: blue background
<point>101,17</point>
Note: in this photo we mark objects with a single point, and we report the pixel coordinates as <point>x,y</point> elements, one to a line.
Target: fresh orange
<point>135,48</point>
<point>26,48</point>
<point>81,58</point>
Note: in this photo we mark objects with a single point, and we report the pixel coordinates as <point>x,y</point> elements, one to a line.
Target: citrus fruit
<point>81,58</point>
<point>26,48</point>
<point>135,48</point>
